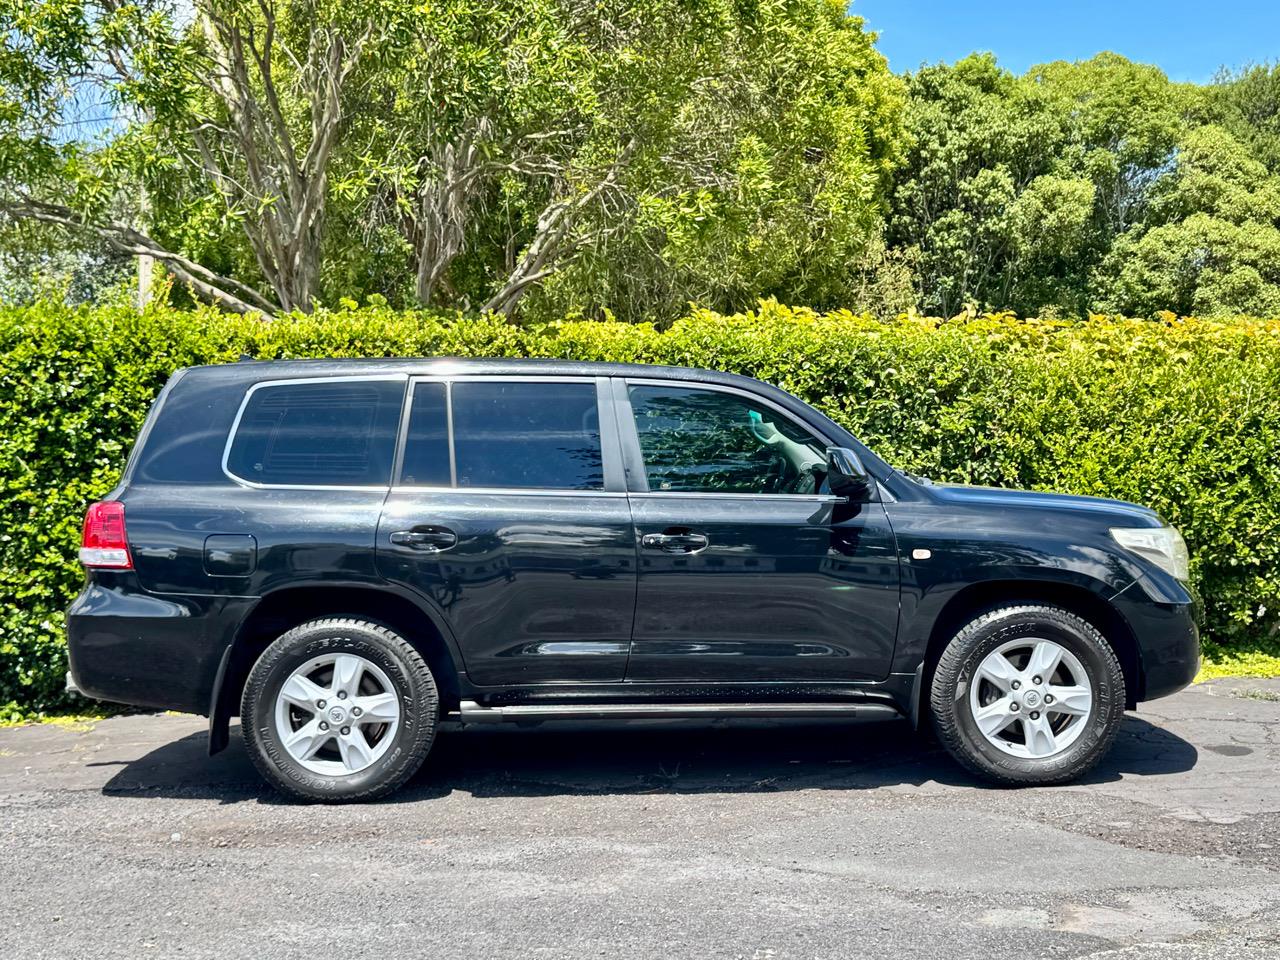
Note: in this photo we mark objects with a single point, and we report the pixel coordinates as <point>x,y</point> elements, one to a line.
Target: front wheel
<point>339,710</point>
<point>1027,695</point>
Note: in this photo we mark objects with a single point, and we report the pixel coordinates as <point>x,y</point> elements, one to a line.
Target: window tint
<point>707,441</point>
<point>527,434</point>
<point>189,437</point>
<point>426,448</point>
<point>340,433</point>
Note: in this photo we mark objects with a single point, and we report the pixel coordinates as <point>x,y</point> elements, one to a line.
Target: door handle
<point>431,539</point>
<point>676,542</point>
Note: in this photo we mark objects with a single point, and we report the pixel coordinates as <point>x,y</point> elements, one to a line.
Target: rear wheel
<point>339,710</point>
<point>1028,694</point>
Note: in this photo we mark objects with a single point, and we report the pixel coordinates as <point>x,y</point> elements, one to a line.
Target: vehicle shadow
<point>646,757</point>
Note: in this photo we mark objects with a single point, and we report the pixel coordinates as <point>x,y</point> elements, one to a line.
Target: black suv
<point>345,553</point>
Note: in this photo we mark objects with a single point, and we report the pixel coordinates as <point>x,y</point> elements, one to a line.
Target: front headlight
<point>1163,546</point>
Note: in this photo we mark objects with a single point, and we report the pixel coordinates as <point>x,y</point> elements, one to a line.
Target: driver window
<point>708,441</point>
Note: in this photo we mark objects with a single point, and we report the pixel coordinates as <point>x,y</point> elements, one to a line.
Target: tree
<point>1246,103</point>
<point>621,155</point>
<point>980,138</point>
<point>241,104</point>
<point>1123,121</point>
<point>1211,242</point>
<point>800,135</point>
<point>628,156</point>
<point>38,263</point>
<point>1016,187</point>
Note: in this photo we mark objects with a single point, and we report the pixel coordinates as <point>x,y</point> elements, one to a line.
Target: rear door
<point>510,515</point>
<point>748,569</point>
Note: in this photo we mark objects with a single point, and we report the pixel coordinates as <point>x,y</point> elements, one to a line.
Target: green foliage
<point>1210,243</point>
<point>633,156</point>
<point>1181,415</point>
<point>1095,185</point>
<point>622,159</point>
<point>1016,187</point>
<point>39,263</point>
<point>625,156</point>
<point>1247,103</point>
<point>979,138</point>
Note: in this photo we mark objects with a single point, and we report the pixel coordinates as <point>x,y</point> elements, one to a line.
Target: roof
<point>456,366</point>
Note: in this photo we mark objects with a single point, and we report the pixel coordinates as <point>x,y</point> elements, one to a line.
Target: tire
<point>369,681</point>
<point>973,688</point>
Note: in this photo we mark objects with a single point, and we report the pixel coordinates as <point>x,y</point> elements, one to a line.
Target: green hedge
<point>1181,415</point>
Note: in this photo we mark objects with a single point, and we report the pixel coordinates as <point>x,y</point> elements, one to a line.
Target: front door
<point>748,570</point>
<point>511,518</point>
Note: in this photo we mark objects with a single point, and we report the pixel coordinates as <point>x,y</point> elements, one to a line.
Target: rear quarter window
<point>321,433</point>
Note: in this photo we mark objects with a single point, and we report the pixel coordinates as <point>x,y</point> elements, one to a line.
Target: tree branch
<point>212,286</point>
<point>554,242</point>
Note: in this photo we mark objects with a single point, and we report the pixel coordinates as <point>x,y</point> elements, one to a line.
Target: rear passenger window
<point>334,433</point>
<point>527,434</point>
<point>426,448</point>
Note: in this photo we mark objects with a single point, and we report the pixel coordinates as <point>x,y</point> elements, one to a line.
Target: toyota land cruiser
<point>344,553</point>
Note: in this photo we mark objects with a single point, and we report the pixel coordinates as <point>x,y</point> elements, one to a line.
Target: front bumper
<point>1168,637</point>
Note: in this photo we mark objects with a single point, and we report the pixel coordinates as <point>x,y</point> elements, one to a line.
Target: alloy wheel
<point>337,714</point>
<point>1031,698</point>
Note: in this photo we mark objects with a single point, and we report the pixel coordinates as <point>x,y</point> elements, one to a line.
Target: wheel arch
<point>288,607</point>
<point>978,598</point>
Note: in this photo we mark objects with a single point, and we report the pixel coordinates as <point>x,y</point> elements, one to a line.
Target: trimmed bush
<point>1182,415</point>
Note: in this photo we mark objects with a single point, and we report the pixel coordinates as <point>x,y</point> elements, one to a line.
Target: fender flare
<point>222,705</point>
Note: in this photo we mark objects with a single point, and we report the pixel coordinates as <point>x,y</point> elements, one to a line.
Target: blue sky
<point>1189,41</point>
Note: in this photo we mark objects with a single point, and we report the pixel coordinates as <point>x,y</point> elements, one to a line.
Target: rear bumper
<point>128,646</point>
<point>1168,636</point>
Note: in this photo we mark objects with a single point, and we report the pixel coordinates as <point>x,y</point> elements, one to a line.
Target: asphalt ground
<point>754,840</point>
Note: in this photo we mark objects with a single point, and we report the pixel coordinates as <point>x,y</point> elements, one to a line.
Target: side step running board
<point>472,712</point>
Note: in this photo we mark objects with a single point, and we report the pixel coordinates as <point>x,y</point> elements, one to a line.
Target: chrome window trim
<point>290,381</point>
<point>501,378</point>
<point>738,495</point>
<point>505,491</point>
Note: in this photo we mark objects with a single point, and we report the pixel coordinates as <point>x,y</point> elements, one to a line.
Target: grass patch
<point>82,719</point>
<point>1250,660</point>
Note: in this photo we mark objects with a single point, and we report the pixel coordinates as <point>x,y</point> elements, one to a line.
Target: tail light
<point>104,543</point>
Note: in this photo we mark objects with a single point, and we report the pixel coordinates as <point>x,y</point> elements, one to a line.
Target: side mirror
<point>846,476</point>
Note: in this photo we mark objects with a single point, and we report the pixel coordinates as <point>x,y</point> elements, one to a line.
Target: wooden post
<point>145,274</point>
